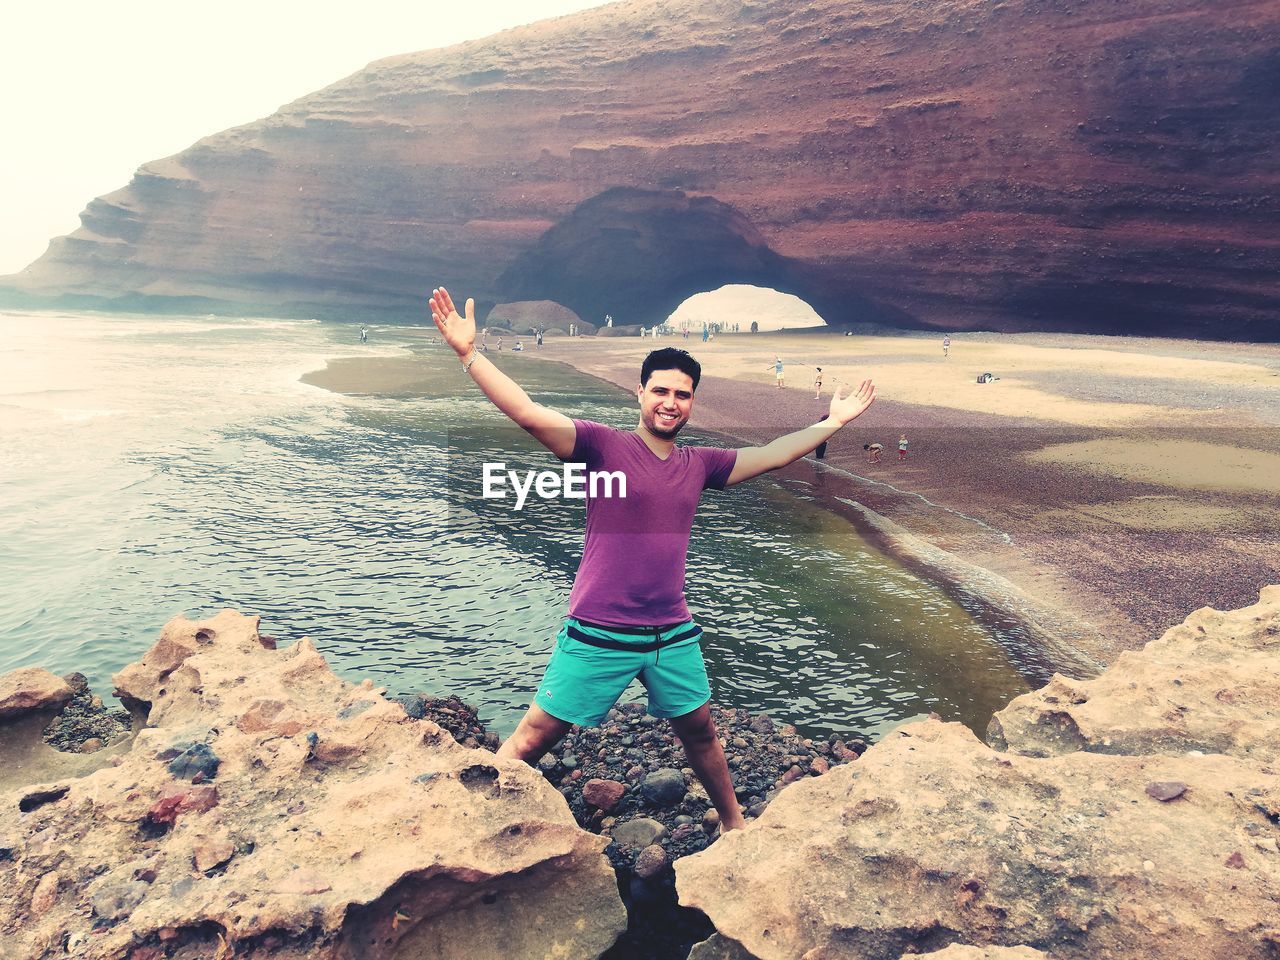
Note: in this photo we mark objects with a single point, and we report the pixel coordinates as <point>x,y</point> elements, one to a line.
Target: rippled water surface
<point>157,466</point>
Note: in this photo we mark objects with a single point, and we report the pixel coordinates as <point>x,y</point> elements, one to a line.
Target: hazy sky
<point>93,90</point>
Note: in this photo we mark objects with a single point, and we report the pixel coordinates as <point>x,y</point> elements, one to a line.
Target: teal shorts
<point>585,679</point>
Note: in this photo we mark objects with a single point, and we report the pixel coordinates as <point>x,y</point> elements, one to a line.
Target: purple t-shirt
<point>633,558</point>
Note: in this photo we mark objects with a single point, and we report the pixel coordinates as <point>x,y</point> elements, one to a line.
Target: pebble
<point>116,900</point>
<point>664,787</point>
<point>651,862</point>
<point>196,760</point>
<point>603,794</point>
<point>640,832</point>
<point>210,852</point>
<point>1166,790</point>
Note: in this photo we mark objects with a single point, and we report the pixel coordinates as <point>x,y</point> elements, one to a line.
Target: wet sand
<point>1099,491</point>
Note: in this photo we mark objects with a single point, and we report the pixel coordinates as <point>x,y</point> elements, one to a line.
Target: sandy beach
<point>1098,491</point>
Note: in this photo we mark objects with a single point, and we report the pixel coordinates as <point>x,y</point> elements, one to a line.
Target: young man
<point>627,613</point>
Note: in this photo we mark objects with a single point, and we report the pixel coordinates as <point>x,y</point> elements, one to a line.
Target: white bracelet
<point>466,364</point>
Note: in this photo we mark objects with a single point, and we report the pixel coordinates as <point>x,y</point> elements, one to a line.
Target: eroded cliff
<point>1025,164</point>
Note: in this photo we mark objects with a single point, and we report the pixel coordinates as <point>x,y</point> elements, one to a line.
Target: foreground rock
<point>933,838</point>
<point>26,690</point>
<point>1210,684</point>
<point>270,809</point>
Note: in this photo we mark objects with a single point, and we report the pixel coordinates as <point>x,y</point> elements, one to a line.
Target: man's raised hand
<point>853,404</point>
<point>458,331</point>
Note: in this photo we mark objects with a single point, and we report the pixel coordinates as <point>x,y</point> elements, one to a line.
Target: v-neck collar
<point>666,459</point>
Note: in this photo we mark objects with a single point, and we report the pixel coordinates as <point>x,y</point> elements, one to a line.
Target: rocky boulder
<point>28,689</point>
<point>1210,684</point>
<point>306,816</point>
<point>934,838</point>
<point>526,316</point>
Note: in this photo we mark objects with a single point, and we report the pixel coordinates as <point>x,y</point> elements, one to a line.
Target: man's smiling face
<point>666,402</point>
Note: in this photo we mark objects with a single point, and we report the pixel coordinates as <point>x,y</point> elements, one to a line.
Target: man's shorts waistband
<point>628,638</point>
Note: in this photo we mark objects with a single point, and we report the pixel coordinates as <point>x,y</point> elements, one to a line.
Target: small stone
<point>819,766</point>
<point>92,745</point>
<point>1235,861</point>
<point>414,705</point>
<point>198,759</point>
<point>569,761</point>
<point>756,809</point>
<point>664,788</point>
<point>1166,790</point>
<point>45,894</point>
<point>651,862</point>
<point>211,852</point>
<point>711,820</point>
<point>635,773</point>
<point>603,794</point>
<point>116,900</point>
<point>793,774</point>
<point>639,833</point>
<point>761,724</point>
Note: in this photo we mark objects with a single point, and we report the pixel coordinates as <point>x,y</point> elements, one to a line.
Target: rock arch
<point>638,254</point>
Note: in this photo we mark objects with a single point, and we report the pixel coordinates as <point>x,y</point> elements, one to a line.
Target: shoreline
<point>1008,499</point>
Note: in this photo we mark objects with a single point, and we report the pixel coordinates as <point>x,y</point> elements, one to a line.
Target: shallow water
<point>157,466</point>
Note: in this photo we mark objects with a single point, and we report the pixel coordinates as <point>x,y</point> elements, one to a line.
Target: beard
<point>659,429</point>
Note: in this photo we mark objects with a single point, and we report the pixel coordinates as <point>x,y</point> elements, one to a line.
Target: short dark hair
<point>670,358</point>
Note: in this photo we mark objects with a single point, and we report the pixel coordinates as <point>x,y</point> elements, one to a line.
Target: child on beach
<point>817,384</point>
<point>777,370</point>
<point>946,345</point>
<point>902,447</point>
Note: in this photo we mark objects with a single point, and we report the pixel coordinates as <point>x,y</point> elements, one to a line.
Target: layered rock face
<point>1111,822</point>
<point>270,809</point>
<point>1105,166</point>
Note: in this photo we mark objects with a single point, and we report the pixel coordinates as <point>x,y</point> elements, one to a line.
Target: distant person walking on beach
<point>627,612</point>
<point>777,371</point>
<point>902,447</point>
<point>873,451</point>
<point>821,452</point>
<point>817,384</point>
<point>946,346</point>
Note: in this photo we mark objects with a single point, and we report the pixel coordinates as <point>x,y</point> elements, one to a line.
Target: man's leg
<point>537,733</point>
<point>697,731</point>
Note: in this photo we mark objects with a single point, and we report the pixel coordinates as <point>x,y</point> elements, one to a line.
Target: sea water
<point>157,466</point>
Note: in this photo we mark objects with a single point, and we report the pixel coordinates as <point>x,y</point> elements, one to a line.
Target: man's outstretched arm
<point>550,428</point>
<point>753,461</point>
